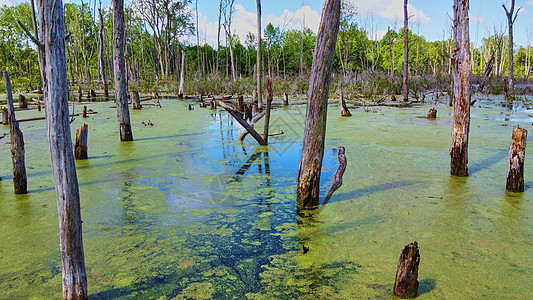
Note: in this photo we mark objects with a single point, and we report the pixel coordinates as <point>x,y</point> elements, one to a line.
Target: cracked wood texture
<point>517,155</point>
<point>461,93</point>
<point>406,283</point>
<point>121,86</point>
<point>317,101</point>
<point>20,181</point>
<point>53,63</point>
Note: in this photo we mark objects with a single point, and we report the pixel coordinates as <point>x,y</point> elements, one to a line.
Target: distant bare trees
<point>511,18</point>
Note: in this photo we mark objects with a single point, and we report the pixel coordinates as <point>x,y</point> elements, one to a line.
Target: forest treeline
<point>156,29</point>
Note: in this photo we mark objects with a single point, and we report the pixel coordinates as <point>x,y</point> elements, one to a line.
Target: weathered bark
<point>240,103</point>
<point>182,75</point>
<point>461,90</point>
<point>405,51</point>
<point>84,111</point>
<point>269,97</point>
<point>406,283</point>
<point>517,154</point>
<point>337,179</point>
<point>20,181</point>
<point>259,61</point>
<point>511,18</point>
<point>53,64</point>
<point>213,104</point>
<point>432,113</point>
<point>22,101</point>
<point>80,148</point>
<point>243,123</point>
<point>316,114</point>
<point>121,87</point>
<point>135,100</point>
<point>342,105</point>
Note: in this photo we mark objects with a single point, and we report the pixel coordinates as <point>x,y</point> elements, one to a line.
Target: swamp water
<point>186,212</point>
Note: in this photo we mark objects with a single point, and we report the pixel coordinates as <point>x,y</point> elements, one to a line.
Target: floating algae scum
<point>186,212</point>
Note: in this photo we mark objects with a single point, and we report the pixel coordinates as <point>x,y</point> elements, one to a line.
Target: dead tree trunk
<point>259,61</point>
<point>510,22</point>
<point>406,283</point>
<point>121,87</point>
<point>342,105</point>
<point>84,115</point>
<point>517,154</point>
<point>461,87</point>
<point>5,116</point>
<point>20,181</point>
<point>432,113</point>
<point>101,64</point>
<point>182,75</point>
<point>337,183</point>
<point>315,121</point>
<point>80,148</point>
<point>285,99</point>
<point>135,100</point>
<point>405,51</point>
<point>243,122</point>
<point>53,64</point>
<point>22,101</point>
<point>486,74</point>
<point>268,107</point>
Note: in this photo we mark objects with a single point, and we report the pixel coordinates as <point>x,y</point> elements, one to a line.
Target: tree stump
<point>155,95</point>
<point>406,283</point>
<point>285,99</point>
<point>392,98</point>
<point>200,98</point>
<point>190,107</point>
<point>22,101</point>
<point>213,104</point>
<point>517,153</point>
<point>80,148</point>
<point>432,114</point>
<point>20,181</point>
<point>5,118</point>
<point>84,111</point>
<point>38,105</point>
<point>203,105</point>
<point>93,93</point>
<point>135,100</point>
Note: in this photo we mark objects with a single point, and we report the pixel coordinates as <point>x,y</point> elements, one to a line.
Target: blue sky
<point>430,18</point>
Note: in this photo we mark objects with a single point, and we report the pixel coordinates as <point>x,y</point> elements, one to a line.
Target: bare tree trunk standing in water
<point>259,99</point>
<point>53,63</point>
<point>461,86</point>
<point>101,65</point>
<point>405,51</point>
<point>181,89</point>
<point>121,87</point>
<point>317,100</point>
<point>510,23</point>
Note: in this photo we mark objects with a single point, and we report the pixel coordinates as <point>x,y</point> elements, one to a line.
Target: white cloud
<point>391,10</point>
<point>529,2</point>
<point>245,21</point>
<point>378,35</point>
<point>11,2</point>
<point>479,19</point>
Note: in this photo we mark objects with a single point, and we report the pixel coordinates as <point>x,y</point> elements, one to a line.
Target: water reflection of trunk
<point>227,149</point>
<point>130,214</point>
<point>307,221</point>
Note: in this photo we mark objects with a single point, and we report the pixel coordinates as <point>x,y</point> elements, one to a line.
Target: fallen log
<point>254,120</point>
<point>43,118</point>
<point>243,123</point>
<point>337,183</point>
